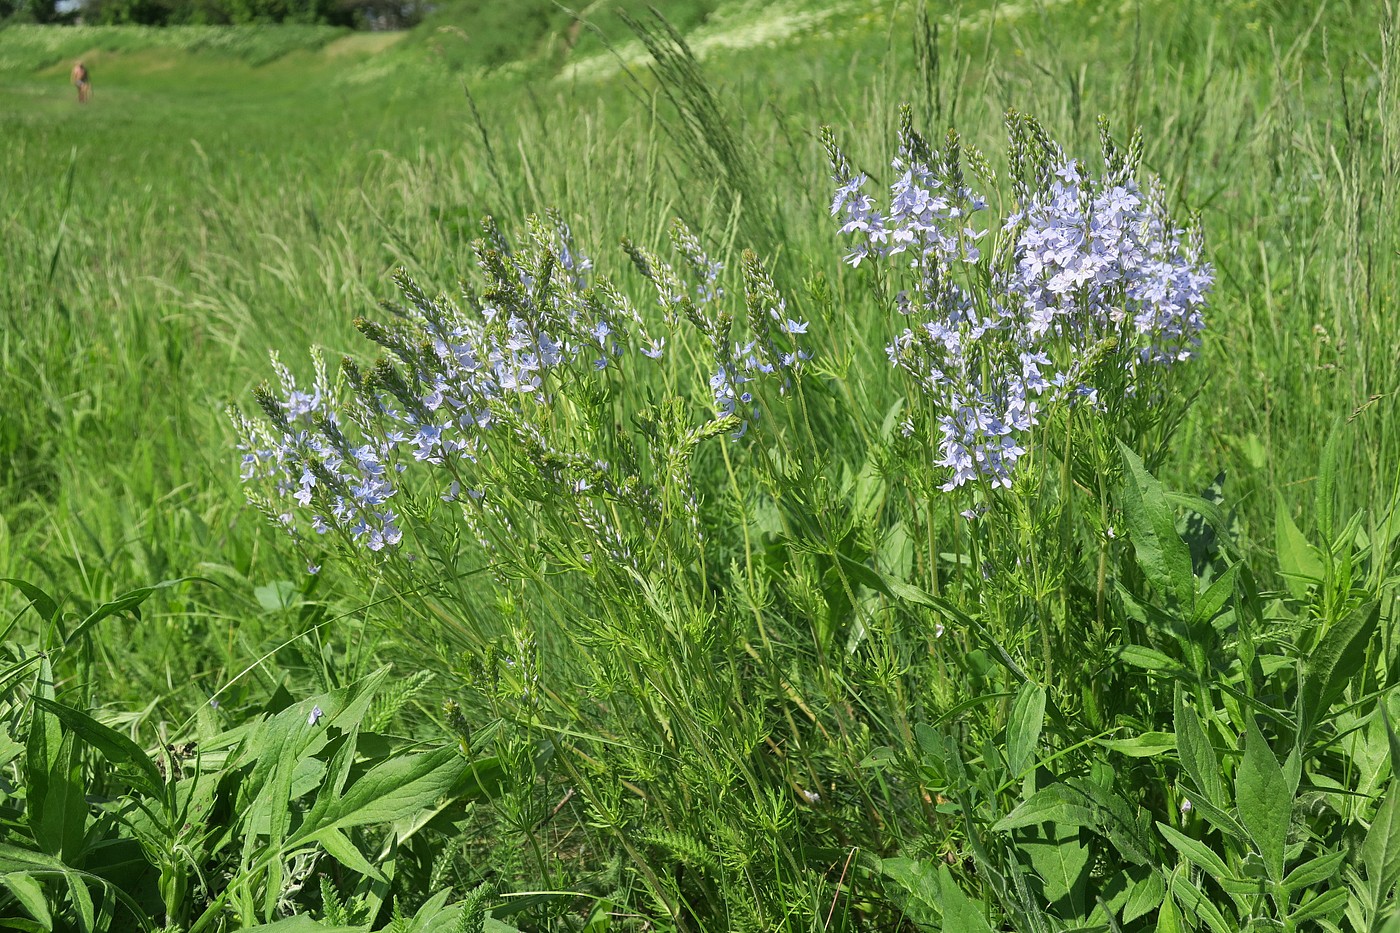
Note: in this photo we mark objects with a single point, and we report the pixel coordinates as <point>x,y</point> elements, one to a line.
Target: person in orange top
<point>82,82</point>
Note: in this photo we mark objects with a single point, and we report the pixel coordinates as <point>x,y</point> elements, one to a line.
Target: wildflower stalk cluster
<point>1087,296</point>
<point>503,405</point>
<point>692,612</point>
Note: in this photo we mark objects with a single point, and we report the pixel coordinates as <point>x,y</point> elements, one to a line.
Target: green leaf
<point>1169,917</point>
<point>115,747</point>
<point>1298,562</point>
<point>918,887</point>
<point>959,912</point>
<point>1264,800</point>
<point>278,595</point>
<point>879,757</point>
<point>389,792</point>
<point>1060,858</point>
<point>1196,852</point>
<point>43,603</point>
<point>127,602</point>
<point>1392,738</point>
<point>30,894</point>
<point>1146,745</point>
<point>1333,663</point>
<point>1330,902</point>
<point>1144,897</point>
<point>1380,852</point>
<point>25,926</point>
<point>340,848</point>
<point>1314,870</point>
<point>1218,817</point>
<point>82,902</point>
<point>1128,827</point>
<point>1196,753</point>
<point>56,808</point>
<point>1057,803</point>
<point>1217,595</point>
<point>1150,660</point>
<point>1023,728</point>
<point>1190,897</point>
<point>16,858</point>
<point>1163,556</point>
<point>300,924</point>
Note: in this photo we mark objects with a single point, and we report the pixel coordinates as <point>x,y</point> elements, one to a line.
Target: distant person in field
<point>82,82</point>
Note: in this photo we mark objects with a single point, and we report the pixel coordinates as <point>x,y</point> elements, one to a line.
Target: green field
<point>753,727</point>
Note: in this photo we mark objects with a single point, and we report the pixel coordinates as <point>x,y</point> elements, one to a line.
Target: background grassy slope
<point>235,190</point>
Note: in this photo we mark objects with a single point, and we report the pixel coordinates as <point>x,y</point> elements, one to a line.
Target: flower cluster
<point>474,388</point>
<point>1088,284</point>
<point>772,348</point>
<point>302,454</point>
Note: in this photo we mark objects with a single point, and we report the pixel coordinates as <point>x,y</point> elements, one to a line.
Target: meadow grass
<point>232,191</point>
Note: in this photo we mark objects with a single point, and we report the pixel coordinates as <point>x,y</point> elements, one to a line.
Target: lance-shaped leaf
<point>1163,556</point>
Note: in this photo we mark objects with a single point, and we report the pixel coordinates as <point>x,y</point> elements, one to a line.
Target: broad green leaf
<point>56,807</point>
<point>391,791</point>
<point>1023,728</point>
<point>1146,745</point>
<point>1145,897</point>
<point>1219,818</point>
<point>1169,917</point>
<point>278,595</point>
<point>1057,803</point>
<point>917,882</point>
<point>115,747</point>
<point>1380,852</point>
<point>337,773</point>
<point>25,926</point>
<point>1127,826</point>
<point>879,757</point>
<point>1217,595</point>
<point>1163,556</point>
<point>959,912</point>
<point>1393,739</point>
<point>30,894</point>
<point>1060,858</point>
<point>17,858</point>
<point>1150,660</point>
<point>1298,562</point>
<point>492,925</point>
<point>82,902</point>
<point>127,602</point>
<point>1190,897</point>
<point>1196,852</point>
<point>1196,753</point>
<point>43,603</point>
<point>1315,870</point>
<point>340,848</point>
<point>1331,902</point>
<point>1264,801</point>
<point>1333,663</point>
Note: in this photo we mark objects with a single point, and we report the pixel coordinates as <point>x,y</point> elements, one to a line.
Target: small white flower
<point>811,797</point>
<point>1185,806</point>
<point>315,717</point>
<point>938,630</point>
